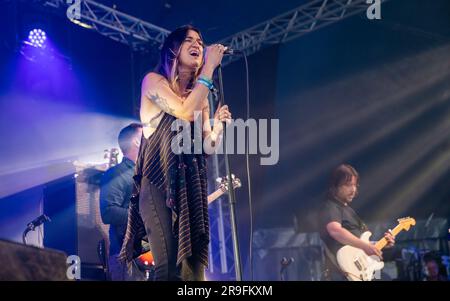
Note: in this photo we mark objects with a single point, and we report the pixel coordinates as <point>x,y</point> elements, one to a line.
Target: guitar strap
<point>362,226</point>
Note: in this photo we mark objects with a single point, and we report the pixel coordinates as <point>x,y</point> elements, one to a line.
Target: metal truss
<point>114,24</point>
<point>221,261</point>
<point>221,256</point>
<point>290,25</point>
<point>139,34</point>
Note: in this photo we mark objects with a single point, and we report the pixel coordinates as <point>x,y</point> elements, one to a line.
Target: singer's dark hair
<point>341,175</point>
<point>170,51</point>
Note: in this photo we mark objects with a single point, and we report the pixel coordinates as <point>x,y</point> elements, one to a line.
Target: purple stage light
<point>37,38</point>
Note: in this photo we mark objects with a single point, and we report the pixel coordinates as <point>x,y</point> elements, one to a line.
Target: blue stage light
<point>37,38</point>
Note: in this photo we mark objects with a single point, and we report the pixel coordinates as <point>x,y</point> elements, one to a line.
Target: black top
<point>115,193</point>
<point>182,178</point>
<point>335,211</point>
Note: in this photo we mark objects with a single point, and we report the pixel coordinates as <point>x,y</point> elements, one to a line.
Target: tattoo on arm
<point>161,102</point>
<point>153,123</point>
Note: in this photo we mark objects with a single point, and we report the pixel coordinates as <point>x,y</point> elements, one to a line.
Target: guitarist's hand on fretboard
<point>390,239</point>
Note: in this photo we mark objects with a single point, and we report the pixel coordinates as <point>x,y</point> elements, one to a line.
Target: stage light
<point>37,38</point>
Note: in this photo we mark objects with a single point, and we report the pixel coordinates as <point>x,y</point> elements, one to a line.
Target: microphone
<point>33,224</point>
<point>231,51</point>
<point>286,261</point>
<point>38,221</point>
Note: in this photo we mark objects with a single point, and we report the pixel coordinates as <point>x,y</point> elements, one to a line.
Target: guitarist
<point>339,224</point>
<point>115,194</point>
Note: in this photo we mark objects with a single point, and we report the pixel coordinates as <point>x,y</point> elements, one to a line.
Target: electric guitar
<point>357,265</point>
<point>146,259</point>
<point>112,155</point>
<point>223,187</point>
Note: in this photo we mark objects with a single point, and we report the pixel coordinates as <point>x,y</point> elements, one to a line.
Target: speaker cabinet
<point>26,263</point>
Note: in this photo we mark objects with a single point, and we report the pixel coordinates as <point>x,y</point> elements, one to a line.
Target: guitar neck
<point>383,242</point>
<point>215,195</point>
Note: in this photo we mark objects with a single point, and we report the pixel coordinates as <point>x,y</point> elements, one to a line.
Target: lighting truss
<point>114,24</point>
<point>293,24</point>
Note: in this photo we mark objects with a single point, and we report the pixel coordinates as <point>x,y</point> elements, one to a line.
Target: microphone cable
<point>247,163</point>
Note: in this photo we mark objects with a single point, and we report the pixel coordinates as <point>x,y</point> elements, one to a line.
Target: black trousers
<point>157,218</point>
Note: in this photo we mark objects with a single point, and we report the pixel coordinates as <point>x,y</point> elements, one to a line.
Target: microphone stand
<point>282,270</point>
<point>24,235</point>
<point>32,226</point>
<point>232,197</point>
<point>284,264</point>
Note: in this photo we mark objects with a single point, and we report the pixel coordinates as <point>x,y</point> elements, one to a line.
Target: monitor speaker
<point>27,263</point>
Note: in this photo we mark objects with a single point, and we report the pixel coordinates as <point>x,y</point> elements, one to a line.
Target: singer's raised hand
<point>213,56</point>
<point>222,115</point>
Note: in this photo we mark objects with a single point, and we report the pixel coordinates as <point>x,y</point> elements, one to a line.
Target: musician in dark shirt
<point>339,224</point>
<point>115,194</point>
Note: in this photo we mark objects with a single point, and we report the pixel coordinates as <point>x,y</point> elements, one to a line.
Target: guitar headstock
<point>406,222</point>
<point>223,182</point>
<point>112,156</point>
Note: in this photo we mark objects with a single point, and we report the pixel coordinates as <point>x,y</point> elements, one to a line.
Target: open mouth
<point>194,53</point>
